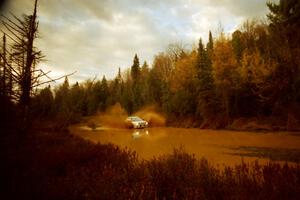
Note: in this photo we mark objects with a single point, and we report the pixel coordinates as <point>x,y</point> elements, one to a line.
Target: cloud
<point>96,37</point>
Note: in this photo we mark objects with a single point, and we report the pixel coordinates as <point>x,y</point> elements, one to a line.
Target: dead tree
<point>19,74</point>
<point>3,68</point>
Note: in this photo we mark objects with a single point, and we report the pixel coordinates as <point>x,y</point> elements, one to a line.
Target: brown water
<point>219,147</point>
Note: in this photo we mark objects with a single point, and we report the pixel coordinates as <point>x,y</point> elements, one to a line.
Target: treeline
<point>253,73</point>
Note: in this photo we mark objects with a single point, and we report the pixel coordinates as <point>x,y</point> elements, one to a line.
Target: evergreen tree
<point>43,104</point>
<point>210,44</point>
<point>136,87</point>
<point>206,89</point>
<point>77,99</point>
<point>145,69</point>
<point>237,45</point>
<point>115,89</point>
<point>105,94</point>
<point>63,104</point>
<point>135,69</point>
<point>145,95</point>
<point>284,29</point>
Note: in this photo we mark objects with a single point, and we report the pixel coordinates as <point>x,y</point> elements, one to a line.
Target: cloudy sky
<point>96,37</point>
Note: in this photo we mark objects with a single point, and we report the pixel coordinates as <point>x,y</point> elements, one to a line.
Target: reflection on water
<point>216,146</point>
<point>138,133</point>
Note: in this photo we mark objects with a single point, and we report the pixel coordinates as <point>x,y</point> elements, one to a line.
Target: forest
<point>251,74</point>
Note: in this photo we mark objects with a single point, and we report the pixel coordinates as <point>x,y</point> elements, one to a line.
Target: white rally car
<point>136,122</point>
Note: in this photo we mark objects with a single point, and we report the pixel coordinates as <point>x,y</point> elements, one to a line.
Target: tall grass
<point>60,166</point>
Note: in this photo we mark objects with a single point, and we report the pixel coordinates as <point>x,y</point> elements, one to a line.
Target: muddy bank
<point>238,124</point>
<point>115,117</point>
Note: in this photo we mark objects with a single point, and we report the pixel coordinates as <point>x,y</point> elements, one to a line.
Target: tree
<point>182,99</point>
<point>116,89</point>
<point>5,72</point>
<point>43,104</point>
<point>210,45</point>
<point>127,92</point>
<point>284,28</point>
<point>135,69</point>
<point>146,99</point>
<point>104,94</point>
<point>205,83</point>
<point>20,70</point>
<point>253,71</point>
<point>25,56</point>
<point>77,100</point>
<point>159,78</point>
<point>237,44</point>
<point>176,51</point>
<point>225,71</point>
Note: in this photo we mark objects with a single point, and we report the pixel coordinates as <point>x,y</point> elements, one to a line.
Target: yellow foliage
<point>224,64</point>
<point>184,73</point>
<point>254,67</point>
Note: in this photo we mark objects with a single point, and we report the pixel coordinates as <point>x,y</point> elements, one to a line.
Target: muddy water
<point>219,147</point>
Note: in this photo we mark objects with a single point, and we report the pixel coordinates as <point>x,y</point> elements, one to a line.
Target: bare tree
<point>19,59</point>
<point>19,72</point>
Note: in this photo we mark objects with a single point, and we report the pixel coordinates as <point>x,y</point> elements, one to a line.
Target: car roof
<point>134,117</point>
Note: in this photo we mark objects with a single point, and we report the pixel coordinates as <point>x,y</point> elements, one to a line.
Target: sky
<point>96,37</point>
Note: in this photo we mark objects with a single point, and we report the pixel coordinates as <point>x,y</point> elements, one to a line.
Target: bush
<point>58,165</point>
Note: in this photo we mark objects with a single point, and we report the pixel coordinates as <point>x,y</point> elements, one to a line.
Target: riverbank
<point>238,124</point>
<point>58,165</point>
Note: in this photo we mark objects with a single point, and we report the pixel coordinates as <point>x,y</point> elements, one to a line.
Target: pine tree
<point>115,96</point>
<point>210,44</point>
<point>237,45</point>
<point>135,69</point>
<point>62,103</point>
<point>136,87</point>
<point>206,89</point>
<point>285,82</point>
<point>145,68</point>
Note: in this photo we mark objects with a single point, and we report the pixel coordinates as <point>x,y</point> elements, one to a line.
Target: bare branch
<point>14,28</point>
<point>8,64</point>
<point>11,31</point>
<point>53,80</point>
<point>14,22</point>
<point>42,73</point>
<point>9,36</point>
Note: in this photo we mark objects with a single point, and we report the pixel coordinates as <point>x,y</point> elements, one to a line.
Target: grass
<point>57,165</point>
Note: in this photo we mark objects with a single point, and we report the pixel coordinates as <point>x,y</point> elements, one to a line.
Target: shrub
<point>60,166</point>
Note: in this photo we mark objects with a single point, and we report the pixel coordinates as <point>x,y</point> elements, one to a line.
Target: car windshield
<point>135,119</point>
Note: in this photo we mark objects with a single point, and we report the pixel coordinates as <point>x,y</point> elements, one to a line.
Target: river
<point>217,146</point>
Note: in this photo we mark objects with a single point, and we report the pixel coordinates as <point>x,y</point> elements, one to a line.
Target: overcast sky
<point>96,37</point>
